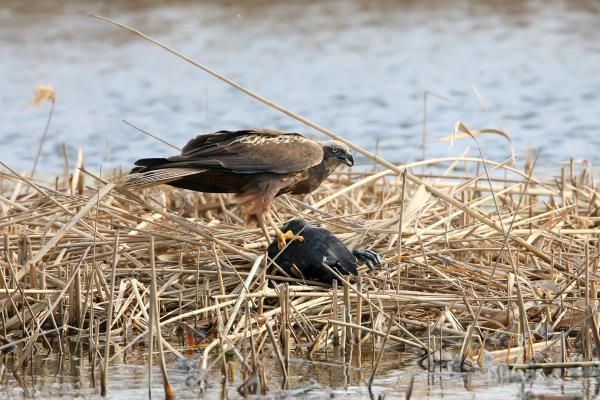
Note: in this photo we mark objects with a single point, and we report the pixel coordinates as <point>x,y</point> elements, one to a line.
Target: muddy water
<point>360,68</point>
<point>70,376</point>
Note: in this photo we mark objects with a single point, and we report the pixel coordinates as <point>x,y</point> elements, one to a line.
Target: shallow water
<point>69,377</point>
<point>359,68</point>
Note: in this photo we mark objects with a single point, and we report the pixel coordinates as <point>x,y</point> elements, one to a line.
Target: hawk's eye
<point>334,150</point>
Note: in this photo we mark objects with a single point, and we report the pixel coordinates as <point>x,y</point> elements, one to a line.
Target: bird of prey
<point>255,164</point>
<point>306,258</point>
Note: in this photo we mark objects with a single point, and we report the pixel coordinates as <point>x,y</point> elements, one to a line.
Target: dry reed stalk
<point>334,313</point>
<point>277,349</point>
<point>43,93</point>
<point>523,260</point>
<point>550,365</point>
<point>378,308</point>
<point>380,354</point>
<point>155,325</point>
<point>109,319</point>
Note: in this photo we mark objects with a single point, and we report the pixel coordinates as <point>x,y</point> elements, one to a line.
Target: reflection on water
<point>69,376</point>
<point>360,68</point>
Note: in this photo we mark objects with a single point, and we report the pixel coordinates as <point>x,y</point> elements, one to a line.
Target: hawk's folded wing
<point>250,151</point>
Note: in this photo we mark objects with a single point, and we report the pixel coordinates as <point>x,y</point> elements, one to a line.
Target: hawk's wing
<point>249,151</point>
<point>252,151</point>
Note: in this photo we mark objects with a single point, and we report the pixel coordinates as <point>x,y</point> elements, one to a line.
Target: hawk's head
<point>335,152</point>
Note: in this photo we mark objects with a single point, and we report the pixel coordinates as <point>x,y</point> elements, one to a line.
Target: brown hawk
<point>255,164</point>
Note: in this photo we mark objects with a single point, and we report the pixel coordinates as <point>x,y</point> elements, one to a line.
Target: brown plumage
<point>255,164</point>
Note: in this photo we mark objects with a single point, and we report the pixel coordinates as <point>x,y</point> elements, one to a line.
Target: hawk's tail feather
<point>145,164</point>
<point>139,180</point>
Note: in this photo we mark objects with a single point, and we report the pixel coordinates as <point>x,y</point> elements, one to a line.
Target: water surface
<point>69,376</point>
<point>359,68</point>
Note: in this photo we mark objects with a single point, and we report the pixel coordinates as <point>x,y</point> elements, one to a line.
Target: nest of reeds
<point>96,264</point>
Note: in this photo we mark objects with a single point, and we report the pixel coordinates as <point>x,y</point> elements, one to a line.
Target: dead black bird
<point>305,258</point>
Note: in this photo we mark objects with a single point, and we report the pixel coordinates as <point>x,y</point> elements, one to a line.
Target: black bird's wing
<point>319,247</point>
<point>337,254</point>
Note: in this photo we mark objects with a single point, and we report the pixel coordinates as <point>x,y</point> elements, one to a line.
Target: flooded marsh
<point>488,283</point>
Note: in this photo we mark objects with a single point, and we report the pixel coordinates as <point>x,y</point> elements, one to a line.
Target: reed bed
<point>85,263</point>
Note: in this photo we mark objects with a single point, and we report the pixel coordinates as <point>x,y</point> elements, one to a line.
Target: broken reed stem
<point>400,221</point>
<point>115,261</point>
<point>151,316</point>
<point>43,138</point>
<point>156,323</point>
<point>347,314</point>
<point>334,312</point>
<point>550,365</point>
<point>358,313</point>
<point>284,332</point>
<point>277,349</point>
<point>380,354</point>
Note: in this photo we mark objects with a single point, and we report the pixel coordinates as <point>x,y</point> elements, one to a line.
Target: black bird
<point>305,258</point>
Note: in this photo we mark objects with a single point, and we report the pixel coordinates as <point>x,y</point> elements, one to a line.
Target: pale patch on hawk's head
<point>334,144</point>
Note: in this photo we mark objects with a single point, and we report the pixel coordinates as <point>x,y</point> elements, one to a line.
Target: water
<point>359,68</point>
<point>69,376</point>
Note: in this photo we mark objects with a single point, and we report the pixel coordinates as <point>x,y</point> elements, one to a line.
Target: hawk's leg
<point>261,222</point>
<point>282,237</point>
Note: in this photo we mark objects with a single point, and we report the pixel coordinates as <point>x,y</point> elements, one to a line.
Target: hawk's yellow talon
<point>289,235</point>
<point>283,237</point>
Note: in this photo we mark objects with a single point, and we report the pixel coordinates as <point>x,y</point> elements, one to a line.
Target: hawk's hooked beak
<point>347,159</point>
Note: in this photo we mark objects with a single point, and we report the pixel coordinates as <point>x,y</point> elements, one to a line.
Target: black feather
<point>147,164</point>
<point>212,182</point>
<point>319,246</point>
